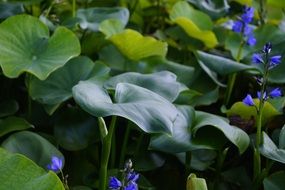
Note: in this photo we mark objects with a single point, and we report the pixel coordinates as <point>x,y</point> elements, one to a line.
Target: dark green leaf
<point>20,173</point>
<point>33,146</point>
<point>11,124</point>
<point>8,107</point>
<point>274,181</point>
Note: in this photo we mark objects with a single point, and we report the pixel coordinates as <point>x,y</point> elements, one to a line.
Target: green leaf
<point>135,46</point>
<point>157,82</point>
<point>8,107</point>
<point>275,181</point>
<point>194,183</point>
<point>221,65</point>
<point>151,112</point>
<point>75,130</point>
<point>33,146</point>
<point>214,8</point>
<point>110,27</point>
<point>25,38</point>
<point>57,88</point>
<point>181,139</point>
<point>195,23</point>
<point>11,124</point>
<point>282,138</point>
<point>270,150</point>
<point>276,3</point>
<point>20,173</point>
<point>249,112</point>
<point>237,136</point>
<point>92,17</point>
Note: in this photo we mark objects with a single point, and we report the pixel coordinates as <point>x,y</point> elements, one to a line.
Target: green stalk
<point>73,8</point>
<point>106,149</point>
<point>124,145</point>
<point>188,157</point>
<point>261,12</point>
<point>232,77</point>
<point>258,140</point>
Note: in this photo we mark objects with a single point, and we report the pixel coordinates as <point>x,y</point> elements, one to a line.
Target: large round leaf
<point>92,17</point>
<point>75,129</point>
<point>25,46</point>
<point>237,136</point>
<point>135,46</point>
<point>151,112</point>
<point>157,82</point>
<point>57,88</point>
<point>33,146</point>
<point>275,181</point>
<point>20,173</point>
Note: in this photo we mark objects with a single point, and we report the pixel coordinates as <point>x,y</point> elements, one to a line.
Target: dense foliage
<point>142,94</point>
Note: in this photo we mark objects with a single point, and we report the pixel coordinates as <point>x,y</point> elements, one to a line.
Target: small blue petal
<point>267,47</point>
<point>248,100</point>
<point>251,41</point>
<point>275,93</point>
<point>237,26</point>
<point>247,30</point>
<point>275,59</point>
<point>133,176</point>
<point>114,183</point>
<point>131,186</point>
<point>264,95</point>
<point>56,164</point>
<point>256,58</point>
<point>247,15</point>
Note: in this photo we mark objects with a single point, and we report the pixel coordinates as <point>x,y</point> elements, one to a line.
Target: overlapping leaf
<point>25,46</point>
<point>20,173</point>
<point>148,110</point>
<point>195,23</point>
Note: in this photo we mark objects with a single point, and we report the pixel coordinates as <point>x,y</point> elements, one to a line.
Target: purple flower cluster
<point>268,62</point>
<point>128,183</point>
<point>242,26</point>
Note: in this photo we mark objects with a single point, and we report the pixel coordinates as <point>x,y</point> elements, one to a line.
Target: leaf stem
<point>106,149</point>
<point>73,8</point>
<point>124,145</point>
<point>232,77</point>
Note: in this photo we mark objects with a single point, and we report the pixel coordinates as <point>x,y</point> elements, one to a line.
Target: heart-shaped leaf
<point>11,124</point>
<point>270,150</point>
<point>135,46</point>
<point>57,88</point>
<point>20,173</point>
<point>195,23</point>
<point>75,130</point>
<point>157,82</point>
<point>151,112</point>
<point>92,17</point>
<point>33,146</point>
<point>237,136</point>
<point>25,46</point>
<point>275,181</point>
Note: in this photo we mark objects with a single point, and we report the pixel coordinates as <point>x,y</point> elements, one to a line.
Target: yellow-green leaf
<point>135,46</point>
<point>194,183</point>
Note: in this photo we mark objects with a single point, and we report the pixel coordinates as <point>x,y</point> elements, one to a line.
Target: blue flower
<point>237,26</point>
<point>251,41</point>
<point>256,58</point>
<point>274,61</point>
<point>132,176</point>
<point>56,164</point>
<point>275,93</point>
<point>247,15</point>
<point>114,183</point>
<point>264,95</point>
<point>131,186</point>
<point>267,47</point>
<point>248,100</point>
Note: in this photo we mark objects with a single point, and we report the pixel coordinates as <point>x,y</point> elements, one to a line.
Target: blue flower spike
<point>114,183</point>
<point>256,58</point>
<point>267,47</point>
<point>56,164</point>
<point>275,93</point>
<point>248,100</point>
<point>242,26</point>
